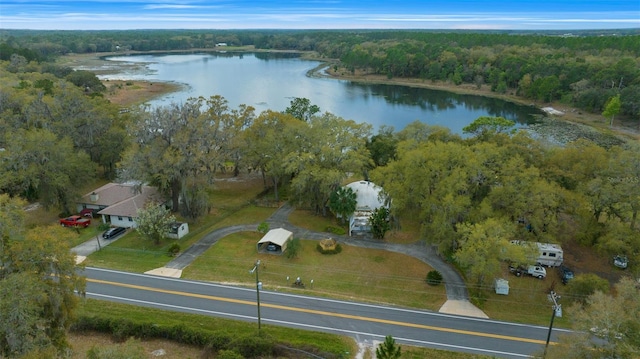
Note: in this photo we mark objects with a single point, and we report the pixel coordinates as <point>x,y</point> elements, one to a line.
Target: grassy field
<point>527,301</point>
<point>355,273</point>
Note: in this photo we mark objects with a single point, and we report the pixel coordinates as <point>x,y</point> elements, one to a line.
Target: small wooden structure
<point>328,244</point>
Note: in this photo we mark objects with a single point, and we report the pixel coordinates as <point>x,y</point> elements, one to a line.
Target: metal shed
<point>278,237</point>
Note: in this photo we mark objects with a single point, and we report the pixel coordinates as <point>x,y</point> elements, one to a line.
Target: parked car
<point>113,232</point>
<point>272,248</point>
<point>534,271</point>
<point>75,221</point>
<point>621,261</point>
<point>566,274</point>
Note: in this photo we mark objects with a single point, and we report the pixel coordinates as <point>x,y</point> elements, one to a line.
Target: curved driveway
<point>456,289</point>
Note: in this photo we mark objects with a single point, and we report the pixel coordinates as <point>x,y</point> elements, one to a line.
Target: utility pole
<point>557,311</point>
<point>258,287</point>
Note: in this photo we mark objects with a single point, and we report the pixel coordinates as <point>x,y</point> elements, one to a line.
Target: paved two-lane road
<point>362,321</point>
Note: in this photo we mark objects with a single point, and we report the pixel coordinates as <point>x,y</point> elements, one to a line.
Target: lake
<point>269,81</point>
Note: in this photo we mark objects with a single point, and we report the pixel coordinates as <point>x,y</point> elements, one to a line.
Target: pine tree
<point>388,349</point>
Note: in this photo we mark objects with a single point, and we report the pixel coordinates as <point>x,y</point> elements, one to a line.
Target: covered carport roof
<point>278,236</point>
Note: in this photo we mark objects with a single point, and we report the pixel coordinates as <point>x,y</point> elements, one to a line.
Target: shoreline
<point>569,115</point>
<point>146,92</point>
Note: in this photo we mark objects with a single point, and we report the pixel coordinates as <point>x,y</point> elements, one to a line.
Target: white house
<point>118,203</point>
<point>369,197</point>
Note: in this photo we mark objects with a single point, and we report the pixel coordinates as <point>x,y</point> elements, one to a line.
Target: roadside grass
<point>527,301</point>
<point>422,353</point>
<point>356,273</point>
<point>131,253</point>
<point>331,343</point>
<point>343,346</point>
<point>81,342</point>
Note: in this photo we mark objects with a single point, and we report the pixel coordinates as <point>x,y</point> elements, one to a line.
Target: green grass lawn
<point>300,338</point>
<point>132,252</point>
<point>291,337</point>
<point>355,273</point>
<point>527,301</point>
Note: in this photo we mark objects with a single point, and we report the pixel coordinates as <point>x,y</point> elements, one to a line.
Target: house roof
<point>278,236</point>
<point>367,195</point>
<point>121,199</point>
<point>109,194</point>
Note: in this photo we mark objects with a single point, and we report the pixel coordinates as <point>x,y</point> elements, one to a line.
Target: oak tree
<point>38,284</point>
<point>330,148</point>
<point>153,222</point>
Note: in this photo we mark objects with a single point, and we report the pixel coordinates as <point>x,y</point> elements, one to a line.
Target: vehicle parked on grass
<point>549,254</point>
<point>75,221</point>
<point>113,232</point>
<point>537,271</point>
<point>621,261</point>
<point>566,274</point>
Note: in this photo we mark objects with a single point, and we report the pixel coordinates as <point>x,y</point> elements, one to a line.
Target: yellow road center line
<point>318,312</point>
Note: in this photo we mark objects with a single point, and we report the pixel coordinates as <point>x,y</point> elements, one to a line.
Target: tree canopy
<point>614,319</point>
<point>38,283</point>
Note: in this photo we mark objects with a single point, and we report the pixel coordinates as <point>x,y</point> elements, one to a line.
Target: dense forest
<point>583,70</point>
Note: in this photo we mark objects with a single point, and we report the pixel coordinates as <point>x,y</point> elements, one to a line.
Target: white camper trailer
<point>550,255</point>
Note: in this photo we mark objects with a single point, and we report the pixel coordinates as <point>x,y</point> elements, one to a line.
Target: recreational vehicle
<point>549,255</point>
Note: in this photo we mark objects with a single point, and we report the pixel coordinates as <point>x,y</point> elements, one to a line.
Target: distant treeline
<point>582,69</point>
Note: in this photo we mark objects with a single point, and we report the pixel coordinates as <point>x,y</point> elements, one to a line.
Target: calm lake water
<point>270,81</point>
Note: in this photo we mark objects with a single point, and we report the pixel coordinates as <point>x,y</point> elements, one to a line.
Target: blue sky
<point>320,14</point>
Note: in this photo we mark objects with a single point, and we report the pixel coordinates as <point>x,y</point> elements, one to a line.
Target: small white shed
<point>278,237</point>
<point>178,230</point>
<point>501,286</point>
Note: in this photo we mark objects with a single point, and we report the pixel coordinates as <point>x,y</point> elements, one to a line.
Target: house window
<point>130,219</point>
<point>119,218</point>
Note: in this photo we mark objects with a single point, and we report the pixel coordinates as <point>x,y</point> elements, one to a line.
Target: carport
<point>278,237</point>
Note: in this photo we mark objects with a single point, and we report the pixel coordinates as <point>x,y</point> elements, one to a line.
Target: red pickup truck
<point>75,221</point>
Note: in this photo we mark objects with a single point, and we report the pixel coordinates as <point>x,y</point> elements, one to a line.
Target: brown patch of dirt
<point>401,237</point>
<point>82,342</point>
<point>582,259</point>
<point>242,181</point>
<point>128,93</point>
